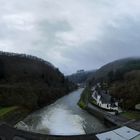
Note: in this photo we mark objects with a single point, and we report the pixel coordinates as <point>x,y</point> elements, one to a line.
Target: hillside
<point>30,81</point>
<point>122,79</point>
<point>114,66</point>
<point>81,77</point>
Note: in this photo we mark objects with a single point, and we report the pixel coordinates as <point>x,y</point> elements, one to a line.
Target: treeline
<point>30,81</point>
<point>24,56</point>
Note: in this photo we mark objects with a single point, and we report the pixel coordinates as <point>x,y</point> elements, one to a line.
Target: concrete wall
<point>9,133</point>
<point>103,115</point>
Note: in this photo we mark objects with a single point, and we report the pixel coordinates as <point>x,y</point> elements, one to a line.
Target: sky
<point>71,34</point>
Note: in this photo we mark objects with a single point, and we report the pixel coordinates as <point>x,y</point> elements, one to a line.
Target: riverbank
<point>85,99</point>
<point>129,118</point>
<point>131,114</point>
<point>113,121</point>
<point>12,115</point>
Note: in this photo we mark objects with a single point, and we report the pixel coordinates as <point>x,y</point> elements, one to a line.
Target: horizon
<point>85,70</point>
<point>71,34</point>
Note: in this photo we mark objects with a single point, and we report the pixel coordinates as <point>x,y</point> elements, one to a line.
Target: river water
<point>64,117</point>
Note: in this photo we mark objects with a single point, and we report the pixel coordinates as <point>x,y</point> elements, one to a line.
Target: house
<point>104,100</point>
<point>137,107</point>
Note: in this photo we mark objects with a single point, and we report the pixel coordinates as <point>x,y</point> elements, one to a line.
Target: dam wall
<point>9,133</point>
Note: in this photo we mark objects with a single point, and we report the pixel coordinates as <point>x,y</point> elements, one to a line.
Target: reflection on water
<point>63,117</point>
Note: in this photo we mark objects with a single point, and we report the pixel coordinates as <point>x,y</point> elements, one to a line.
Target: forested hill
<point>126,63</point>
<point>30,81</point>
<point>122,79</point>
<point>81,77</point>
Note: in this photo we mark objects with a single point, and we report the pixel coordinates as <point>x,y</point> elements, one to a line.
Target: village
<point>102,98</point>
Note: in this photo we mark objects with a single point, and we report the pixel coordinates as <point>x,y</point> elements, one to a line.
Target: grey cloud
<point>116,43</point>
<point>48,30</point>
<point>71,34</point>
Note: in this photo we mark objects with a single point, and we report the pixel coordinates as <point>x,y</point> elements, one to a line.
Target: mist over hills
<point>30,81</point>
<point>113,66</point>
<point>86,76</point>
<point>81,77</point>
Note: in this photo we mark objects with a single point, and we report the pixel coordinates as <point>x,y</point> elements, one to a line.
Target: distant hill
<point>81,77</point>
<point>122,78</point>
<point>29,81</point>
<point>114,66</point>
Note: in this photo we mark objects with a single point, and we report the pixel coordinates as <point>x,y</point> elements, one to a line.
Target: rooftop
<point>105,98</point>
<point>123,133</point>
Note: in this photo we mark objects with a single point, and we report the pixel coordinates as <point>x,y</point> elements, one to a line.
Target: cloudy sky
<point>71,34</point>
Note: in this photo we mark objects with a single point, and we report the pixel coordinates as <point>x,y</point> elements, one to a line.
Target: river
<point>64,117</point>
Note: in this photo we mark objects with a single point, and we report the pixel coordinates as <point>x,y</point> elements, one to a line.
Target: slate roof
<point>105,98</point>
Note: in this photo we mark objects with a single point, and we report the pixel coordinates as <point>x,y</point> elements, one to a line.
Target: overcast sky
<point>71,34</point>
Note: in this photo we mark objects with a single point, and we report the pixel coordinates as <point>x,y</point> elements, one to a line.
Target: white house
<point>104,100</point>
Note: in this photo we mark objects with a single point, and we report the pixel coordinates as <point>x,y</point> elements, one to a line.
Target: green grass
<point>6,110</point>
<point>93,101</point>
<point>14,114</point>
<point>83,102</point>
<point>132,115</point>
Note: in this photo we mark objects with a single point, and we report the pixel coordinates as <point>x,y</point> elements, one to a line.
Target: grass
<point>93,101</point>
<point>6,110</point>
<point>13,114</point>
<point>83,102</point>
<point>131,115</point>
